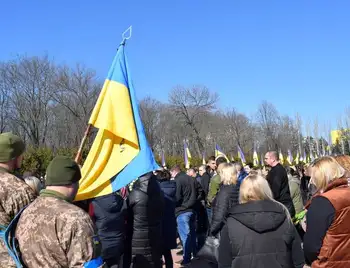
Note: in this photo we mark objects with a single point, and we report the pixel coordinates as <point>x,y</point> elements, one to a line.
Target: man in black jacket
<point>278,181</point>
<point>187,198</point>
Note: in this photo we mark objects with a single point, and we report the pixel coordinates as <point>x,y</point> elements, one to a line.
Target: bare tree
<point>150,110</point>
<point>190,104</point>
<point>30,82</point>
<point>267,118</point>
<point>4,104</point>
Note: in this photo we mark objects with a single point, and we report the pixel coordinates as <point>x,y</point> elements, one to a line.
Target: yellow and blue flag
<point>120,152</point>
<point>255,158</point>
<point>204,162</point>
<point>187,156</point>
<point>281,157</point>
<point>219,152</point>
<point>241,154</point>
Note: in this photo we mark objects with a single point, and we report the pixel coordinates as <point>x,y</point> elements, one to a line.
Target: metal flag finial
<point>127,34</point>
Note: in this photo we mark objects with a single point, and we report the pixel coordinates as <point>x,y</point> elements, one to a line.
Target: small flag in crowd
<point>203,159</point>
<point>241,154</point>
<point>120,152</point>
<point>255,158</point>
<point>163,159</point>
<point>280,156</point>
<point>187,155</point>
<point>218,152</point>
<point>290,158</point>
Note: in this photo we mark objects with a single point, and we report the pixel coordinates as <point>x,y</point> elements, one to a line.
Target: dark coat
<point>258,234</point>
<point>188,194</point>
<point>146,207</point>
<point>278,181</point>
<point>109,218</point>
<point>169,221</point>
<point>227,197</point>
<point>205,180</point>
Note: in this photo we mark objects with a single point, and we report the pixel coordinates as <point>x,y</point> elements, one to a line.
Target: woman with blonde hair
<point>327,237</point>
<point>226,198</point>
<point>259,231</point>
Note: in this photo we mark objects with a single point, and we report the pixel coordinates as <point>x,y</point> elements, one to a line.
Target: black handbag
<point>210,250</point>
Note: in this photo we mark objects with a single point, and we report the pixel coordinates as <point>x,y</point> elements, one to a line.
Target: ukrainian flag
<point>241,154</point>
<point>255,158</point>
<point>218,152</point>
<point>187,155</point>
<point>120,152</point>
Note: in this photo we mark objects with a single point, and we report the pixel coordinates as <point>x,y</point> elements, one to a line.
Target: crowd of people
<point>273,216</point>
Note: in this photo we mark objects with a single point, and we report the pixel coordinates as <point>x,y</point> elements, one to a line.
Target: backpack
<point>7,235</point>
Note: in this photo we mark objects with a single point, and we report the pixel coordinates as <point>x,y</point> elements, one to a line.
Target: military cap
<point>11,146</point>
<point>62,171</point>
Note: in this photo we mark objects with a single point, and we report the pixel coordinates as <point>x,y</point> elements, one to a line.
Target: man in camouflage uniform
<point>14,192</point>
<point>52,232</point>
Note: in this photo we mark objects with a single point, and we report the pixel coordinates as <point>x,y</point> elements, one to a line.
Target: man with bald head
<point>278,181</point>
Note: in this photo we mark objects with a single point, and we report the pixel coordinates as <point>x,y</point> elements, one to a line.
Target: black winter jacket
<point>278,181</point>
<point>146,207</point>
<point>226,198</point>
<point>205,181</point>
<point>258,234</point>
<point>109,218</point>
<point>188,194</point>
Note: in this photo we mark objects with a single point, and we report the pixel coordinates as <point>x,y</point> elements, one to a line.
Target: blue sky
<point>295,54</point>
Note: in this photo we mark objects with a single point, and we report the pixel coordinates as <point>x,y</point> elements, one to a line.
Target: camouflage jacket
<point>14,195</point>
<point>52,232</point>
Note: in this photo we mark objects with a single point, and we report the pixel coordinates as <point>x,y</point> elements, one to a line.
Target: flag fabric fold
<point>120,152</point>
<point>218,152</point>
<point>241,154</point>
<point>187,156</point>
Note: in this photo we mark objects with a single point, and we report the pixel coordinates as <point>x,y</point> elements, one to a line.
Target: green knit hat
<point>62,171</point>
<point>11,146</point>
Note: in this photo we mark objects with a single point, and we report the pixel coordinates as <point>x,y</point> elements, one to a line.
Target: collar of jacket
<point>342,182</point>
<point>55,194</point>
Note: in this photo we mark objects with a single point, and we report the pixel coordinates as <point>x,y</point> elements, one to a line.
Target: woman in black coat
<point>168,188</point>
<point>259,232</point>
<point>226,198</point>
<point>146,207</point>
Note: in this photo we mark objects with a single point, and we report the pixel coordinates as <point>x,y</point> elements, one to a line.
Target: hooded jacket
<point>146,207</point>
<point>258,234</point>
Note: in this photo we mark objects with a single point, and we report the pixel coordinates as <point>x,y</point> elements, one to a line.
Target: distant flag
<point>296,160</point>
<point>163,159</point>
<point>241,154</point>
<point>120,152</point>
<point>218,152</point>
<point>262,160</point>
<point>188,156</point>
<point>290,158</point>
<point>281,157</point>
<point>203,160</point>
<point>305,157</point>
<point>342,146</point>
<point>255,158</point>
<point>232,158</point>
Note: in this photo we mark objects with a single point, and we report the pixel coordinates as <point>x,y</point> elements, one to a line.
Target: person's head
<point>271,158</point>
<point>344,161</point>
<point>175,170</point>
<point>163,175</point>
<point>63,175</point>
<point>192,172</point>
<point>11,151</point>
<point>34,183</point>
<point>325,170</point>
<point>202,169</point>
<point>228,174</point>
<point>253,188</point>
<point>212,163</point>
<point>220,160</point>
<point>238,166</point>
<point>248,167</point>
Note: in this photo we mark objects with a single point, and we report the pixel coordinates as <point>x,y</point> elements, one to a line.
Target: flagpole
<point>88,129</point>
